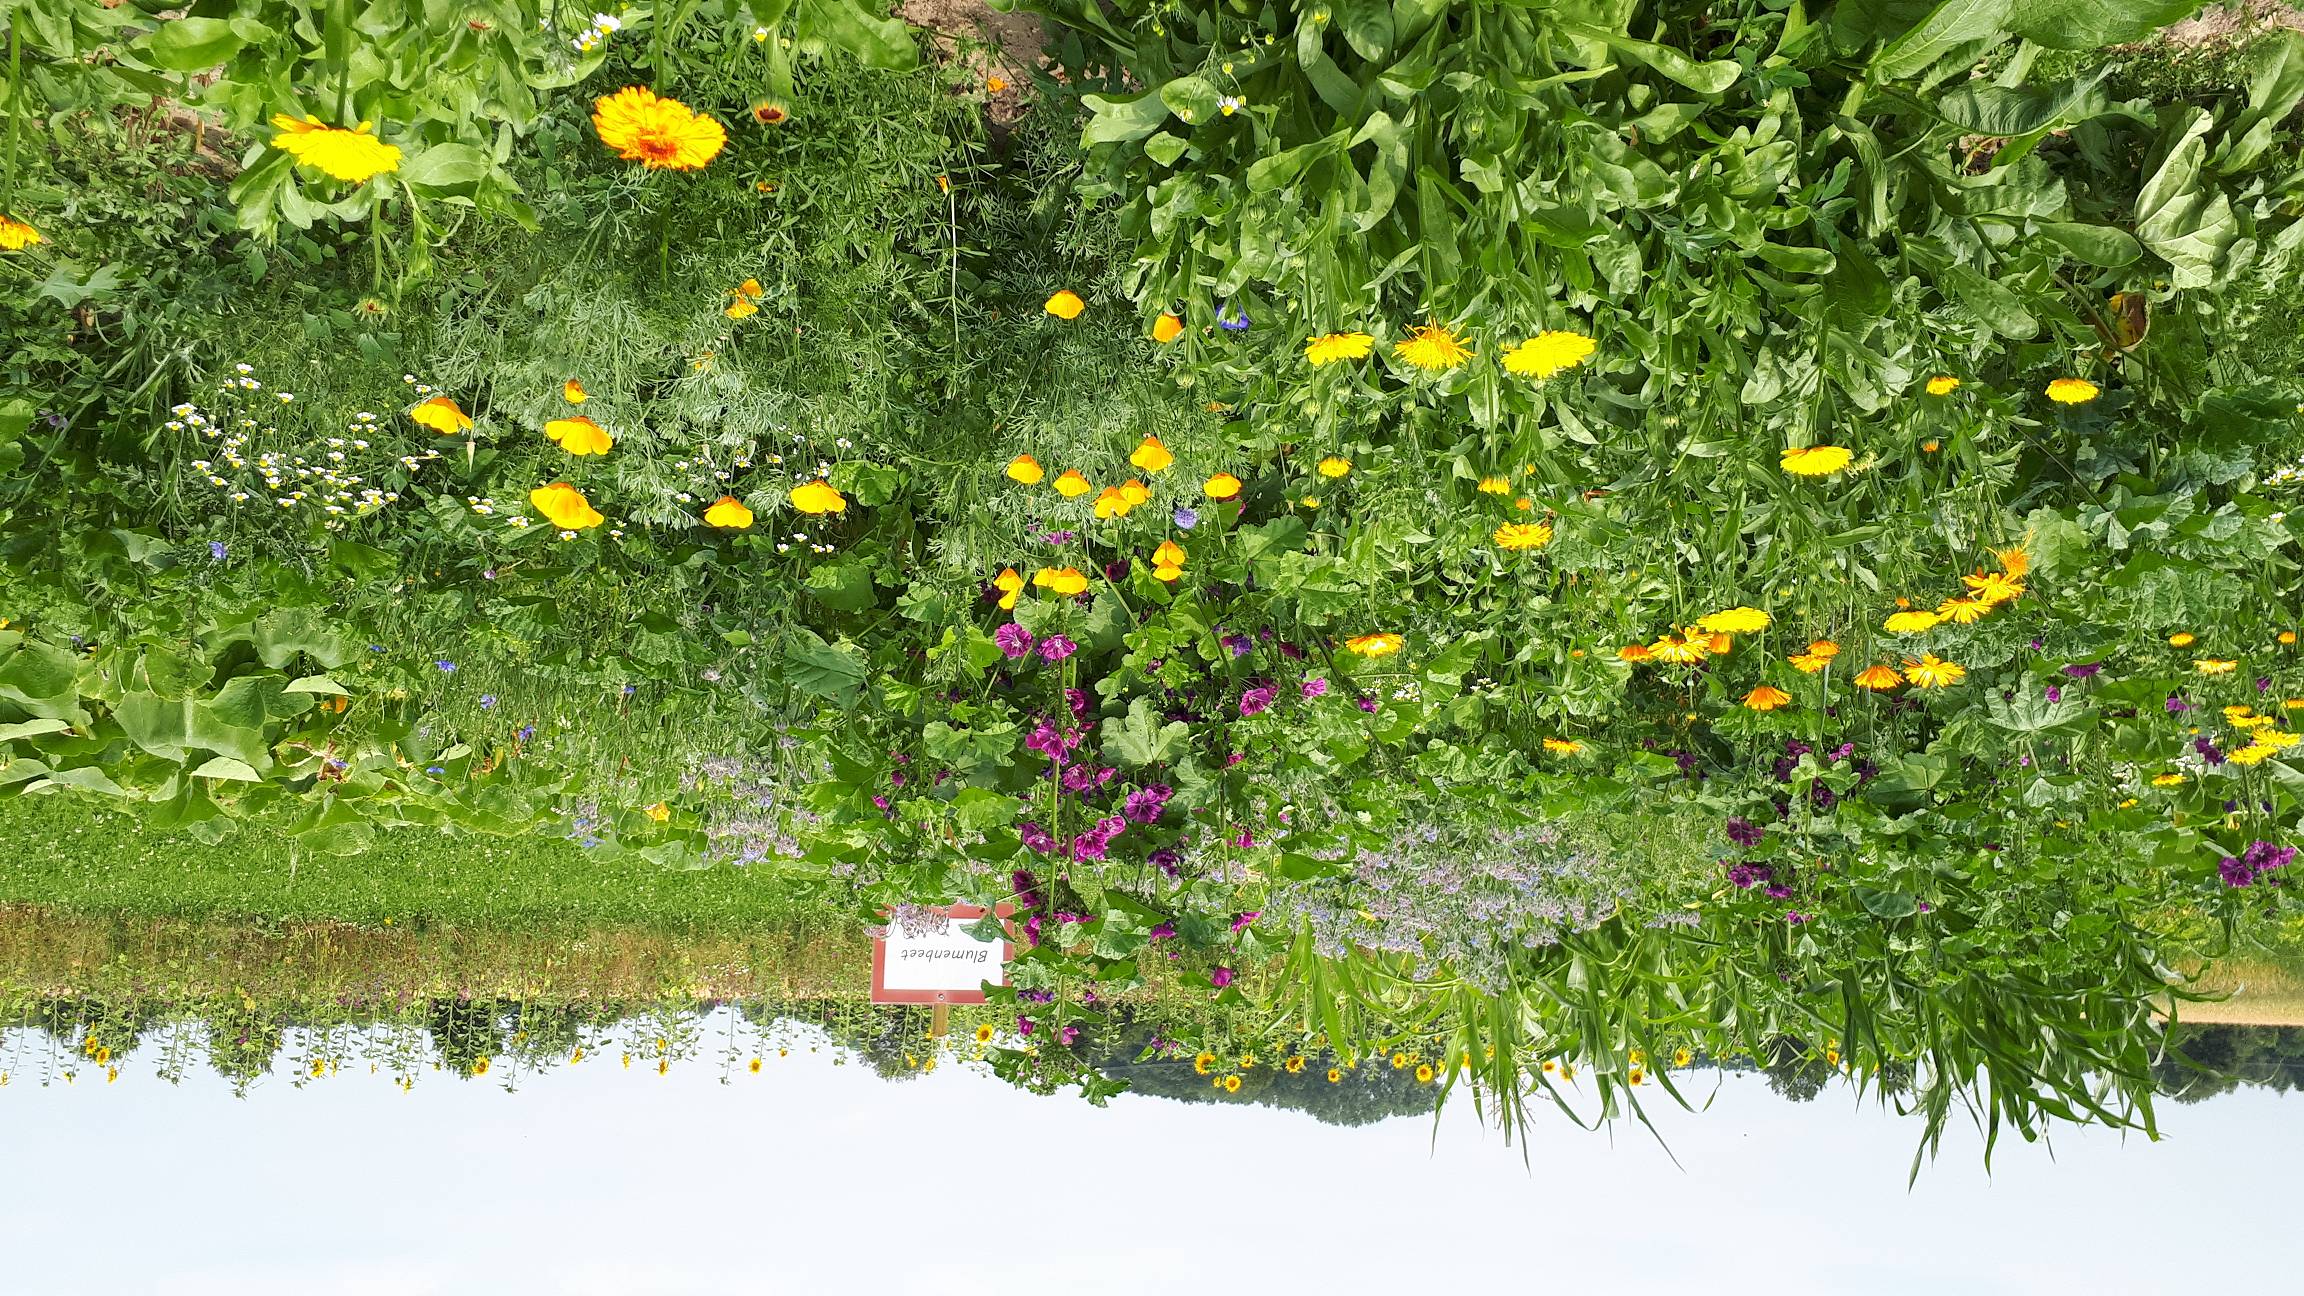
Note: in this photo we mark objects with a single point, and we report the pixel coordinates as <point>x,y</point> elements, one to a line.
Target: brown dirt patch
<point>986,44</point>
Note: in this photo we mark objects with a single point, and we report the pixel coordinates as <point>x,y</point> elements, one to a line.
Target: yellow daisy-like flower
<point>1932,672</point>
<point>2278,738</point>
<point>573,392</point>
<point>819,497</point>
<point>2168,780</point>
<point>1222,486</point>
<point>15,235</point>
<point>1010,584</point>
<point>1563,746</point>
<point>1071,485</point>
<point>1167,328</point>
<point>1026,469</point>
<point>1808,663</point>
<point>1432,348</point>
<point>2214,666</point>
<point>1335,466</point>
<point>1823,648</point>
<point>1335,1075</point>
<point>1634,653</point>
<point>1767,697</point>
<point>1231,1084</point>
<point>1735,620</point>
<point>1993,587</point>
<point>1293,1065</point>
<point>1913,622</point>
<point>729,514</point>
<point>1682,1057</point>
<point>2014,560</point>
<point>1375,645</point>
<point>660,134</point>
<point>1065,305</point>
<point>580,436</point>
<point>1679,651</point>
<point>984,1033</point>
<point>1963,611</point>
<point>1549,353</point>
<point>2181,639</point>
<point>2072,391</point>
<point>1943,385</point>
<point>1523,535</point>
<point>1495,486</point>
<point>1424,1073</point>
<point>1814,461</point>
<point>565,507</point>
<point>442,415</point>
<point>2238,713</point>
<point>1203,1063</point>
<point>1878,678</point>
<point>2254,753</point>
<point>1329,348</point>
<point>1151,456</point>
<point>354,156</point>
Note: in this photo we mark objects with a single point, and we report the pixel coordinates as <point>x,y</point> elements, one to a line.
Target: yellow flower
<point>1878,678</point>
<point>1673,648</point>
<point>2236,714</point>
<point>1203,1063</point>
<point>1495,486</point>
<point>1026,469</point>
<point>1523,535</point>
<point>1293,1065</point>
<point>755,1066</point>
<point>2072,391</point>
<point>2254,753</point>
<point>442,415</point>
<point>658,812</point>
<point>1962,611</point>
<point>354,155</point>
<point>729,514</point>
<point>1823,648</point>
<point>2214,666</point>
<point>1112,502</point>
<point>1167,328</point>
<point>1943,385</point>
<point>1432,348</point>
<point>1814,461</point>
<point>740,309</point>
<point>1335,466</point>
<point>565,507</point>
<point>1222,486</point>
<point>1912,622</point>
<point>2014,560</point>
<point>1065,305</point>
<point>580,436</point>
<point>1066,581</point>
<point>2278,738</point>
<point>1808,663</point>
<point>1634,653</point>
<point>2286,704</point>
<point>1563,746</point>
<point>1071,485</point>
<point>1399,1061</point>
<point>1993,587</point>
<point>1735,620</point>
<point>1167,573</point>
<point>1335,1076</point>
<point>2168,780</point>
<point>1151,455</point>
<point>984,1033</point>
<point>1767,697</point>
<point>1930,672</point>
<point>1375,645</point>
<point>480,1067</point>
<point>661,134</point>
<point>1010,584</point>
<point>1231,1084</point>
<point>1682,1057</point>
<point>1247,1061</point>
<point>15,235</point>
<point>1169,554</point>
<point>1424,1073</point>
<point>1548,353</point>
<point>2181,639</point>
<point>1328,348</point>
<point>573,392</point>
<point>819,497</point>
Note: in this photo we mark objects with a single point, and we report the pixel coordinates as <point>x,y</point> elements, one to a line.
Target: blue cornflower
<point>446,667</point>
<point>434,769</point>
<point>487,701</point>
<point>1231,321</point>
<point>527,732</point>
<point>1187,518</point>
<point>216,550</point>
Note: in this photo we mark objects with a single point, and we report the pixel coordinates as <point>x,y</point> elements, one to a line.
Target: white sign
<point>950,960</point>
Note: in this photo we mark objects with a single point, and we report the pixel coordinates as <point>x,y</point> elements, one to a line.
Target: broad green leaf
<point>31,729</point>
<point>1704,78</point>
<point>1950,25</point>
<point>853,28</point>
<point>444,166</point>
<point>2108,246</point>
<point>2186,222</point>
<point>1140,738</point>
<point>819,668</point>
<point>318,684</point>
<point>1116,121</point>
<point>225,767</point>
<point>2092,24</point>
<point>191,44</point>
<point>1192,99</point>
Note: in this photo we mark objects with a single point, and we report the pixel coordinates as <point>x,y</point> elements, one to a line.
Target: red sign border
<point>882,995</point>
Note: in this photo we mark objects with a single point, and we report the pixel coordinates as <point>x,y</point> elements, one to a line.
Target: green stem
<point>15,112</point>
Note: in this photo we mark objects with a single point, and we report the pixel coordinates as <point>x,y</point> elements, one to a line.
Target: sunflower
<point>1329,348</point>
<point>1523,535</point>
<point>1025,469</point>
<point>565,507</point>
<point>1563,746</point>
<point>1335,1075</point>
<point>1065,305</point>
<point>1203,1063</point>
<point>819,497</point>
<point>1993,587</point>
<point>2214,666</point>
<point>1222,486</point>
<point>1010,584</point>
<point>1294,1065</point>
<point>1962,611</point>
<point>1814,461</point>
<point>660,134</point>
<point>1071,485</point>
<point>442,415</point>
<point>1767,697</point>
<point>729,514</point>
<point>1167,328</point>
<point>1231,1084</point>
<point>573,392</point>
<point>2072,391</point>
<point>984,1033</point>
<point>1915,621</point>
<point>15,235</point>
<point>1735,620</point>
<point>1943,385</point>
<point>580,436</point>
<point>1382,644</point>
<point>1878,678</point>
<point>1151,456</point>
<point>1423,1073</point>
<point>354,155</point>
<point>1335,466</point>
<point>1932,672</point>
<point>1549,353</point>
<point>1432,348</point>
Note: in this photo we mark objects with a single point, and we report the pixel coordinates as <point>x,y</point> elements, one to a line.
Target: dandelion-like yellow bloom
<point>1335,1075</point>
<point>660,134</point>
<point>1382,644</point>
<point>1026,469</point>
<point>2014,560</point>
<point>1222,486</point>
<point>1010,584</point>
<point>729,514</point>
<point>565,507</point>
<point>1071,485</point>
<point>1943,385</point>
<point>2072,391</point>
<point>573,392</point>
<point>2181,639</point>
<point>354,156</point>
<point>1679,651</point>
<point>15,235</point>
<point>1549,353</point>
<point>1293,1065</point>
<point>2214,666</point>
<point>1963,611</point>
<point>1064,305</point>
<point>1335,466</point>
<point>1878,678</point>
<point>1563,746</point>
<point>1203,1063</point>
<point>442,415</point>
<point>1432,348</point>
<point>1495,486</point>
<point>819,497</point>
<point>1767,697</point>
<point>1151,456</point>
<point>984,1033</point>
<point>1735,620</point>
<point>2168,780</point>
<point>1523,535</point>
<point>580,436</point>
<point>1682,1057</point>
<point>1424,1073</point>
<point>1993,587</point>
<point>2254,753</point>
<point>1167,328</point>
<point>1814,461</point>
<point>1932,672</point>
<point>1913,622</point>
<point>2278,738</point>
<point>1329,348</point>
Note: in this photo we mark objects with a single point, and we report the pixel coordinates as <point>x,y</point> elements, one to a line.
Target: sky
<point>825,1179</point>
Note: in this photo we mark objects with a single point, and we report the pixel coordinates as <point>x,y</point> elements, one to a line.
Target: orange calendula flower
<point>1933,672</point>
<point>354,155</point>
<point>1010,584</point>
<point>819,497</point>
<point>1916,621</point>
<point>1329,348</point>
<point>1679,651</point>
<point>1943,385</point>
<point>1222,486</point>
<point>1026,469</point>
<point>1814,461</point>
<point>1167,328</point>
<point>1065,305</point>
<point>1735,620</point>
<point>1634,653</point>
<point>1432,348</point>
<point>1071,485</point>
<point>1963,611</point>
<point>729,514</point>
<point>1382,644</point>
<point>442,415</point>
<point>1549,353</point>
<point>1563,746</point>
<point>1808,663</point>
<point>1823,648</point>
<point>1718,642</point>
<point>1523,535</point>
<point>2214,666</point>
<point>2072,391</point>
<point>1993,587</point>
<point>1767,697</point>
<point>565,507</point>
<point>573,392</point>
<point>580,436</point>
<point>2013,560</point>
<point>15,235</point>
<point>1878,678</point>
<point>659,133</point>
<point>1151,456</point>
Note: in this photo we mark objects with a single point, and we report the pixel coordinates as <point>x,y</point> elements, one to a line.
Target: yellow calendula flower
<point>1329,348</point>
<point>1735,620</point>
<point>2278,738</point>
<point>1878,678</point>
<point>580,436</point>
<point>659,133</point>
<point>729,514</point>
<point>1065,305</point>
<point>1523,535</point>
<point>1167,328</point>
<point>2255,753</point>
<point>1814,461</point>
<point>2072,391</point>
<point>1679,650</point>
<point>1335,1075</point>
<point>2181,639</point>
<point>573,392</point>
<point>2168,780</point>
<point>1913,622</point>
<point>1963,611</point>
<point>1026,469</point>
<point>1071,485</point>
<point>1634,653</point>
<point>819,497</point>
<point>565,507</point>
<point>1808,663</point>
<point>1294,1065</point>
<point>1993,587</point>
<point>15,235</point>
<point>1375,645</point>
<point>2214,666</point>
<point>1010,584</point>
<point>2015,560</point>
<point>1549,353</point>
<point>442,415</point>
<point>1432,348</point>
<point>1335,466</point>
<point>1424,1073</point>
<point>1151,456</point>
<point>1495,486</point>
<point>658,812</point>
<point>1931,672</point>
<point>1222,486</point>
<point>1943,385</point>
<point>1767,697</point>
<point>1563,746</point>
<point>354,156</point>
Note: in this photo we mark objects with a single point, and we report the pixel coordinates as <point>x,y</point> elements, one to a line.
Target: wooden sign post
<point>942,968</point>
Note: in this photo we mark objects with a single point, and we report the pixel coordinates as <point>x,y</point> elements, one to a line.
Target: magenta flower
<point>1257,701</point>
<point>1244,919</point>
<point>1220,978</point>
<point>1038,838</point>
<point>1014,640</point>
<point>1024,1024</point>
<point>1056,648</point>
<point>1067,1035</point>
<point>1315,688</point>
<point>1165,931</point>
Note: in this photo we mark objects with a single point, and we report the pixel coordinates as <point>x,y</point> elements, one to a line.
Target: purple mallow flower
<point>1745,833</point>
<point>1056,648</point>
<point>1256,701</point>
<point>1220,978</point>
<point>1314,687</point>
<point>2084,670</point>
<point>1014,640</point>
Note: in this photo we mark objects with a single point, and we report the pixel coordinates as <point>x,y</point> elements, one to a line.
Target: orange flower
<point>1634,653</point>
<point>1222,486</point>
<point>565,507</point>
<point>1878,678</point>
<point>1026,469</point>
<point>729,514</point>
<point>573,392</point>
<point>1375,645</point>
<point>1071,485</point>
<point>1010,585</point>
<point>1151,456</point>
<point>1167,328</point>
<point>442,415</point>
<point>1766,698</point>
<point>580,436</point>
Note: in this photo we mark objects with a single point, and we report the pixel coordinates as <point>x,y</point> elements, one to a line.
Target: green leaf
<point>2188,224</point>
<point>87,778</point>
<point>816,667</point>
<point>2099,245</point>
<point>2092,24</point>
<point>1141,739</point>
<point>1704,78</point>
<point>318,684</point>
<point>1947,27</point>
<point>158,725</point>
<point>224,767</point>
<point>1993,304</point>
<point>1192,99</point>
<point>872,38</point>
<point>1982,108</point>
<point>192,44</point>
<point>844,585</point>
<point>31,729</point>
<point>280,635</point>
<point>1164,148</point>
<point>445,166</point>
<point>1116,121</point>
<point>1885,904</point>
<point>38,672</point>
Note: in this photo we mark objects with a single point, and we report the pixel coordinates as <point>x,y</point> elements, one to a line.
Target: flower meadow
<point>1532,549</point>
